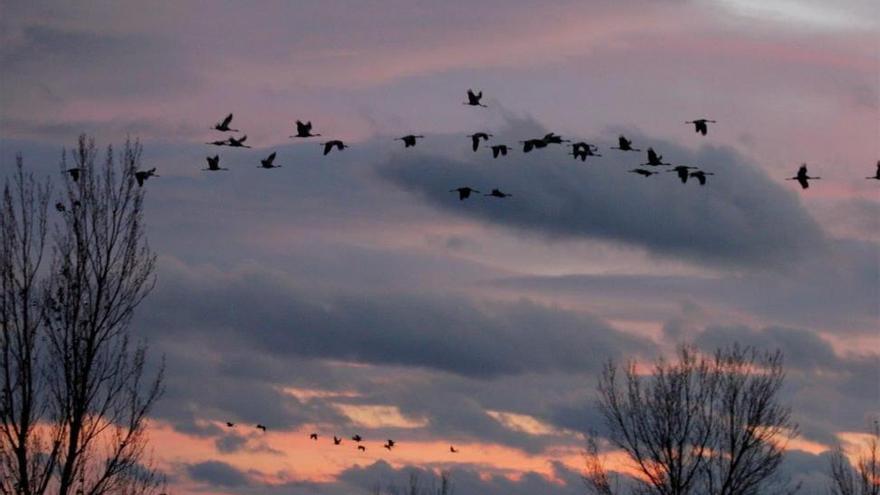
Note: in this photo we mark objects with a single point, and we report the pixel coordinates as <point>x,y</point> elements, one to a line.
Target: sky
<point>354,293</point>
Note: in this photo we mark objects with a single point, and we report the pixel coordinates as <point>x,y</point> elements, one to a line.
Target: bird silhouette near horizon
<point>389,444</point>
<point>624,144</point>
<point>474,99</point>
<point>304,130</point>
<point>214,163</point>
<point>222,142</point>
<point>409,140</point>
<point>362,448</point>
<point>700,125</point>
<point>683,171</point>
<point>553,138</point>
<point>876,175</point>
<point>336,440</point>
<point>335,143</point>
<point>802,177</point>
<point>237,143</point>
<point>654,159</point>
<point>453,449</point>
<point>313,436</point>
<point>532,144</point>
<point>642,172</point>
<point>223,125</point>
<point>464,192</point>
<point>230,424</point>
<point>142,175</point>
<point>357,438</point>
<point>269,162</point>
<point>700,175</point>
<point>261,427</point>
<point>498,194</point>
<point>499,150</point>
<point>476,137</point>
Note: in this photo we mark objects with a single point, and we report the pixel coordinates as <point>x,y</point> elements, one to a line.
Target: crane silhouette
<point>876,175</point>
<point>531,144</point>
<point>643,172</point>
<point>261,427</point>
<point>476,137</point>
<point>499,149</point>
<point>362,448</point>
<point>357,438</point>
<point>313,436</point>
<point>223,125</point>
<point>474,99</point>
<point>464,192</point>
<point>336,440</point>
<point>389,444</point>
<point>453,449</point>
<point>214,163</point>
<point>409,140</point>
<point>230,424</point>
<point>551,138</point>
<point>701,176</point>
<point>336,143</point>
<point>498,194</point>
<point>624,144</point>
<point>142,175</point>
<point>304,130</point>
<point>237,143</point>
<point>268,162</point>
<point>700,125</point>
<point>222,142</point>
<point>802,177</point>
<point>682,171</point>
<point>654,159</point>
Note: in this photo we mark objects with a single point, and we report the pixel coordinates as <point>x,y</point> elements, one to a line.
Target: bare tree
<point>864,477</point>
<point>439,485</point>
<point>699,425</point>
<point>87,381</point>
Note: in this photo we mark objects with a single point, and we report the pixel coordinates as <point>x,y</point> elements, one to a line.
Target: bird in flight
<point>313,436</point>
<point>802,177</point>
<point>464,192</point>
<point>531,144</point>
<point>624,144</point>
<point>499,149</point>
<point>336,440</point>
<point>143,175</point>
<point>682,171</point>
<point>654,159</point>
<point>700,125</point>
<point>357,438</point>
<point>701,176</point>
<point>222,142</point>
<point>474,99</point>
<point>336,143</point>
<point>476,137</point>
<point>362,448</point>
<point>261,427</point>
<point>304,130</point>
<point>498,194</point>
<point>268,162</point>
<point>389,444</point>
<point>409,140</point>
<point>223,125</point>
<point>74,173</point>
<point>237,143</point>
<point>229,424</point>
<point>552,138</point>
<point>643,172</point>
<point>453,449</point>
<point>214,163</point>
<point>877,173</point>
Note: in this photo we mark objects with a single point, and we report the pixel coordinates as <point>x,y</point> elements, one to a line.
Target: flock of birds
<point>357,439</point>
<point>579,150</point>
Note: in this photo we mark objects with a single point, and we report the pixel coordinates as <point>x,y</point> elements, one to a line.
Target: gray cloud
<point>740,219</point>
<point>217,473</point>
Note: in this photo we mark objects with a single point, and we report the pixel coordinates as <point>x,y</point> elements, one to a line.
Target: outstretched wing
<point>227,120</point>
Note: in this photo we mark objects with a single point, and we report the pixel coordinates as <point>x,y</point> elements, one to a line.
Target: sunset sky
<point>352,293</point>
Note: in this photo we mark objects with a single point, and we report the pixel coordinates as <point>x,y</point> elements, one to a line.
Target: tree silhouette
<point>698,425</point>
<point>75,395</point>
<point>864,477</point>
